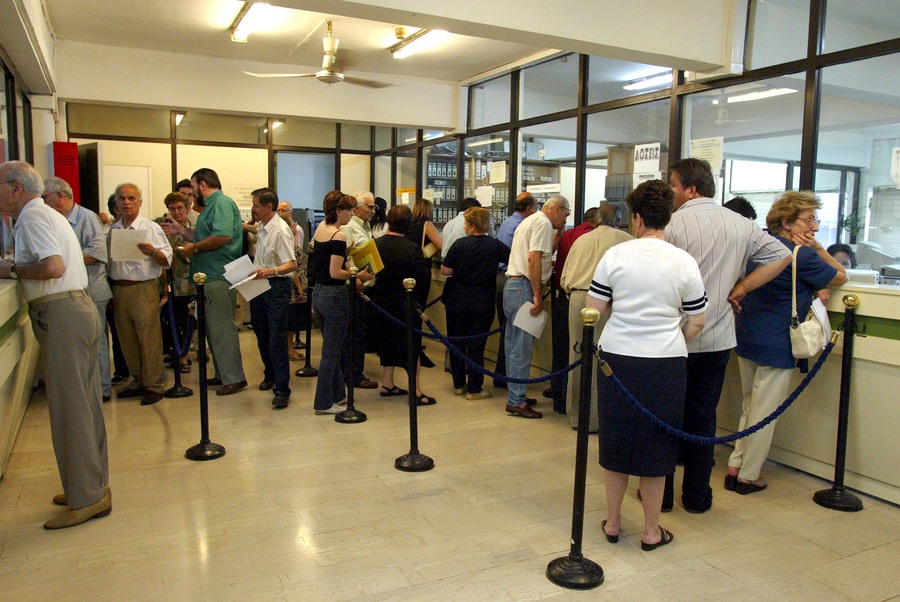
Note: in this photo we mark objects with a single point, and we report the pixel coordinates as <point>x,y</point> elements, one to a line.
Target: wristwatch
<point>12,272</point>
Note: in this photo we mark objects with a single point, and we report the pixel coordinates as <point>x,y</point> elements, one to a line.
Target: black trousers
<point>705,378</point>
<point>501,319</point>
<point>467,323</point>
<point>559,386</point>
<point>354,367</point>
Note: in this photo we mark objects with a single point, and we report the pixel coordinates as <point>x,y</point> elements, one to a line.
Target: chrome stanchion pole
<point>838,498</point>
<point>413,461</point>
<point>575,571</point>
<point>350,415</point>
<point>205,450</point>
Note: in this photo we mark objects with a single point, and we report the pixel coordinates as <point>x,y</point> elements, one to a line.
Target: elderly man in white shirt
<point>136,290</point>
<point>274,261</point>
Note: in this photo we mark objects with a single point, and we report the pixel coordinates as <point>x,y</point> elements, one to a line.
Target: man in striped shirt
<point>722,242</point>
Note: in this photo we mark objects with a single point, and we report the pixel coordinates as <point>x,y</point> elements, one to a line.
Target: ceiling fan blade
<point>268,75</point>
<point>368,83</point>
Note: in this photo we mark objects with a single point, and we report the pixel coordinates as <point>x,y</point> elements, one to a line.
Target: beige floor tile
<point>869,575</point>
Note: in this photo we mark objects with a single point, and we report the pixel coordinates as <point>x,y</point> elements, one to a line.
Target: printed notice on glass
<point>123,244</point>
<point>646,157</point>
<point>708,149</point>
<point>484,195</point>
<point>895,166</point>
<point>429,195</point>
<point>498,172</point>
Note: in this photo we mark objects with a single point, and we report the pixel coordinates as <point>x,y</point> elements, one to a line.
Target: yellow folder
<point>367,255</point>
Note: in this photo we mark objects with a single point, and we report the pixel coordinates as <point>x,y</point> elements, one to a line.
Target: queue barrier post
<point>178,390</point>
<point>575,571</point>
<point>414,461</point>
<point>350,415</point>
<point>307,371</point>
<point>206,449</point>
<point>838,497</point>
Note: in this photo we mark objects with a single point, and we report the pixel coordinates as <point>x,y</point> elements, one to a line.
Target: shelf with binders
<point>441,178</point>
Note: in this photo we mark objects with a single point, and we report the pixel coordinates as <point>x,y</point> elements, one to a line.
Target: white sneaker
<point>334,409</point>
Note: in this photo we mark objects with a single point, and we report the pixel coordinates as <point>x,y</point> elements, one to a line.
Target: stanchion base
<point>205,451</point>
<point>838,499</point>
<point>414,463</point>
<point>575,574</point>
<point>350,416</point>
<point>178,391</point>
<point>307,371</point>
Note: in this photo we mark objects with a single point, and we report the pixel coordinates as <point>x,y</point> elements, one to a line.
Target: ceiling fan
<point>329,73</point>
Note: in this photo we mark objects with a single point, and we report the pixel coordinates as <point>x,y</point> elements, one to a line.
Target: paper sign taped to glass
<point>367,256</point>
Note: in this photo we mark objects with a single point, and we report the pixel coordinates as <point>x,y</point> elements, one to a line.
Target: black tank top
<point>321,260</point>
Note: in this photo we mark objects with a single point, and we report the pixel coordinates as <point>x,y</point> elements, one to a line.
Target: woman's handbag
<point>428,250</point>
<point>807,337</point>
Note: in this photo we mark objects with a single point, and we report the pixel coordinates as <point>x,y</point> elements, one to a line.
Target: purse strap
<point>424,226</point>
<point>795,320</point>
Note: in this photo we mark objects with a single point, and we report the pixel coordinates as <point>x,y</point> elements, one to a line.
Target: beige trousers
<point>136,309</point>
<point>764,388</point>
<point>577,301</point>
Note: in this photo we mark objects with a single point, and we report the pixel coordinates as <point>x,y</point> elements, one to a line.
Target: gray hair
<point>361,197</point>
<point>26,175</point>
<point>129,185</point>
<point>557,200</point>
<point>56,184</point>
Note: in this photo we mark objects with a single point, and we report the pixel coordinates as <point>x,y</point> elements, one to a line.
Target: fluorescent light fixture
<point>484,142</point>
<point>760,95</point>
<point>424,39</point>
<point>178,118</point>
<point>651,81</point>
<point>277,124</point>
<point>253,16</point>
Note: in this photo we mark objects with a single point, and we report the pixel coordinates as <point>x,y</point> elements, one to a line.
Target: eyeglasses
<point>810,221</point>
<point>48,195</point>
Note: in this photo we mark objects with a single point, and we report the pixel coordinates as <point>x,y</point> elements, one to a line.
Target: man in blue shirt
<point>524,205</point>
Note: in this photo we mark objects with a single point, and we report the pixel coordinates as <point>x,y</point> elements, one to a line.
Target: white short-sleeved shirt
<point>274,244</point>
<point>651,285</point>
<point>147,268</point>
<point>535,233</point>
<point>41,232</point>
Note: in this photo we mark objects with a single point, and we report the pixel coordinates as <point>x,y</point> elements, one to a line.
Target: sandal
<point>609,538</point>
<point>385,392</point>
<point>185,368</point>
<point>424,400</point>
<point>666,537</point>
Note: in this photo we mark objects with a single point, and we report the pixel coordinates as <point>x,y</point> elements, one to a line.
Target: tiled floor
<point>304,508</point>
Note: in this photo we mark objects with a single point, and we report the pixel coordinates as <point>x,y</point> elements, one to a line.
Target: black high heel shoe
<point>609,538</point>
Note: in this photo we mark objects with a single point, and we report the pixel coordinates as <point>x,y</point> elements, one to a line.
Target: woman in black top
<point>423,232</point>
<point>468,297</point>
<point>330,298</point>
<point>401,258</point>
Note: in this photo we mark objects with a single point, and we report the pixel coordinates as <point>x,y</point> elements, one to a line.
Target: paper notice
<point>710,150</point>
<point>123,245</point>
<point>533,325</point>
<point>498,172</point>
<point>484,195</point>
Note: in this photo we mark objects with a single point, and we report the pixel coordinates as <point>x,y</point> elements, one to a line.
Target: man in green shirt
<point>216,241</point>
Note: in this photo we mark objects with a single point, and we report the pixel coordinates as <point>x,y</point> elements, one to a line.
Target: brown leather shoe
<point>523,411</point>
<point>60,498</point>
<point>70,518</point>
<point>366,384</point>
<point>150,397</point>
<point>232,388</point>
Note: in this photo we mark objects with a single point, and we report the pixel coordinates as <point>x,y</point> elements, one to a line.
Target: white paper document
<point>240,274</point>
<point>123,244</point>
<point>533,325</point>
<point>818,308</point>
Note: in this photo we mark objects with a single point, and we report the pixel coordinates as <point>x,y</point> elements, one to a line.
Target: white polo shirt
<point>41,232</point>
<point>147,268</point>
<point>535,233</point>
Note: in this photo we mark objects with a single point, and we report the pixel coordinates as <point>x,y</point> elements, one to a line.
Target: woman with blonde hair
<point>762,327</point>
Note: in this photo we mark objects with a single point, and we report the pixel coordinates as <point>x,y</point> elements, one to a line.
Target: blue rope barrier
<point>384,313</point>
<point>181,349</point>
<point>691,438</point>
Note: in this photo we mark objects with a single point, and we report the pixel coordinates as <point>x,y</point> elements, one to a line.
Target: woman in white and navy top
<point>658,302</point>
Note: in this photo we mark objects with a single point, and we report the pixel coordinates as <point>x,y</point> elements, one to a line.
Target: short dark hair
<point>524,201</point>
<point>266,196</point>
<point>697,173</point>
<point>111,203</point>
<point>840,247</point>
<point>399,219</point>
<point>654,201</point>
<point>608,215</point>
<point>741,206</point>
<point>183,184</point>
<point>176,197</point>
<point>334,202</point>
<point>467,203</point>
<point>205,174</point>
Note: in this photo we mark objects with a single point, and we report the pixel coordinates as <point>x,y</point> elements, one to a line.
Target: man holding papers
<point>274,260</point>
<point>529,267</point>
<point>139,250</point>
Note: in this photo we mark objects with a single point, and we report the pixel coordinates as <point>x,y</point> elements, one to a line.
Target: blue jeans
<point>331,305</point>
<point>519,344</point>
<point>268,315</point>
<point>104,346</point>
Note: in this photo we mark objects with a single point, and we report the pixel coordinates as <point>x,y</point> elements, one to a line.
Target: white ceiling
<point>293,44</point>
